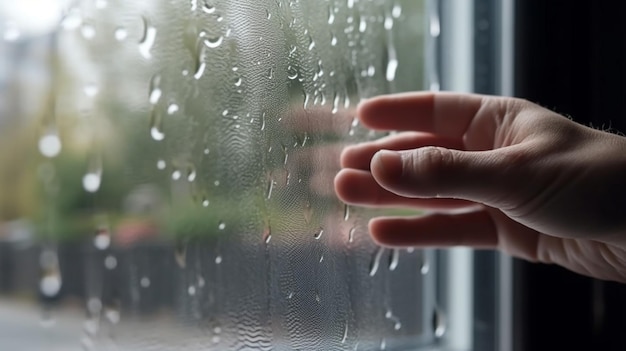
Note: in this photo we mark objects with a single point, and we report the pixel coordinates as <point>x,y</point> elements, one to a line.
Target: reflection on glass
<point>166,178</point>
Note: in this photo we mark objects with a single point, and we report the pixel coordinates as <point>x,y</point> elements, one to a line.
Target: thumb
<point>481,176</point>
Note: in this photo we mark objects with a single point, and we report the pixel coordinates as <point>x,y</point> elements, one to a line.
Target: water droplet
<point>91,89</point>
<point>218,259</point>
<point>396,11</point>
<point>172,109</point>
<point>345,333</point>
<point>110,262</point>
<point>91,181</point>
<point>371,71</point>
<point>155,126</point>
<point>121,34</point>
<point>88,31</point>
<point>376,261</point>
<point>351,234</point>
<point>394,258</point>
<point>311,44</point>
<point>94,305</point>
<point>194,5</point>
<point>191,173</point>
<point>201,282</point>
<point>191,290</point>
<point>144,282</point>
<point>362,25</point>
<point>392,66</point>
<point>161,164</point>
<point>238,81</point>
<point>221,226</point>
<point>147,40</point>
<point>154,94</point>
<point>388,24</point>
<point>214,42</point>
<point>205,203</point>
<point>383,344</point>
<point>350,4</point>
<point>291,295</point>
<point>270,188</point>
<point>176,175</point>
<point>102,239</point>
<point>270,73</point>
<point>333,40</point>
<point>50,284</point>
<point>50,144</point>
<point>208,7</point>
<point>206,151</point>
<point>180,254</point>
<point>435,27</point>
<point>267,234</point>
<point>425,267</point>
<point>112,315</point>
<point>346,212</point>
<point>331,16</point>
<point>308,212</point>
<point>292,73</point>
<point>268,14</point>
<point>318,235</point>
<point>439,323</point>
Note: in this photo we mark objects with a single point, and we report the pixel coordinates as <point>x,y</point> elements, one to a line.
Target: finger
<point>493,178</point>
<point>357,187</point>
<point>445,114</point>
<point>473,229</point>
<point>360,156</point>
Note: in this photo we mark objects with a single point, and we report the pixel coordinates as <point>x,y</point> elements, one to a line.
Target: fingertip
<point>346,157</point>
<point>343,185</point>
<point>379,232</point>
<point>386,166</point>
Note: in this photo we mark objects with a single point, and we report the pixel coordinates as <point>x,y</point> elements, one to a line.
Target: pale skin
<point>492,173</point>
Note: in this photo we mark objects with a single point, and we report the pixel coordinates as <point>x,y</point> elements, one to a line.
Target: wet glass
<point>166,176</point>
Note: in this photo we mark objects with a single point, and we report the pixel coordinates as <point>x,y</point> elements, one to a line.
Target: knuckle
<point>431,163</point>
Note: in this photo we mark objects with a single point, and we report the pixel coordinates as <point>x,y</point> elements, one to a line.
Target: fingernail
<point>390,162</point>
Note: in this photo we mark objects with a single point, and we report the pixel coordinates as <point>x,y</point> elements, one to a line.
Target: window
<point>166,171</point>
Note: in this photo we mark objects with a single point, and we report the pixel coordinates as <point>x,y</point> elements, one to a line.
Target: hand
<point>492,172</point>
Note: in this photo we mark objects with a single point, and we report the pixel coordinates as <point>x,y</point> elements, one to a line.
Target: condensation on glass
<point>166,176</point>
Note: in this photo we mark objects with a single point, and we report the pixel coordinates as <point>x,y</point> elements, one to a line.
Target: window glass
<point>166,176</point>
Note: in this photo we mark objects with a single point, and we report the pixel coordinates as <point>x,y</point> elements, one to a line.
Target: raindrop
<point>121,34</point>
<point>318,235</point>
<point>345,333</point>
<point>172,109</point>
<point>362,25</point>
<point>191,290</point>
<point>376,261</point>
<point>50,144</point>
<point>221,226</point>
<point>425,267</point>
<point>208,8</point>
<point>176,175</point>
<point>268,14</point>
<point>322,258</point>
<point>201,282</point>
<point>155,92</point>
<point>144,282</point>
<point>290,296</point>
<point>351,234</point>
<point>333,40</point>
<point>191,173</point>
<point>439,323</point>
<point>205,203</point>
<point>396,11</point>
<point>270,73</point>
<point>88,31</point>
<point>180,254</point>
<point>112,315</point>
<point>238,81</point>
<point>270,188</point>
<point>102,239</point>
<point>331,16</point>
<point>392,66</point>
<point>292,73</point>
<point>206,151</point>
<point>350,4</point>
<point>346,212</point>
<point>161,164</point>
<point>91,181</point>
<point>155,126</point>
<point>394,258</point>
<point>311,44</point>
<point>90,89</point>
<point>94,305</point>
<point>50,284</point>
<point>147,40</point>
<point>267,234</point>
<point>388,24</point>
<point>194,5</point>
<point>383,344</point>
<point>371,70</point>
<point>218,259</point>
<point>213,43</point>
<point>110,262</point>
<point>435,27</point>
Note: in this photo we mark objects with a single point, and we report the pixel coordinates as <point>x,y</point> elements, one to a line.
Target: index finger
<point>444,114</point>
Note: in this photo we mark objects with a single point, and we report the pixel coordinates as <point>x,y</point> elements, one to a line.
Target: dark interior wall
<point>571,57</point>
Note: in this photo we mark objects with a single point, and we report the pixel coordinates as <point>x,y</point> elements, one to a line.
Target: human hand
<point>492,172</point>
